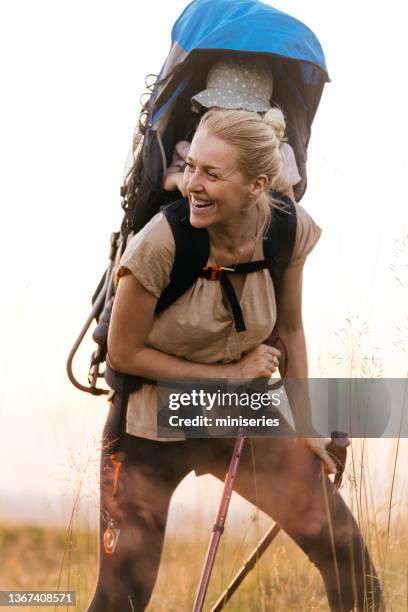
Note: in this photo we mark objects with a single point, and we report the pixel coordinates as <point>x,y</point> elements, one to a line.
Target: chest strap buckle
<point>215,272</point>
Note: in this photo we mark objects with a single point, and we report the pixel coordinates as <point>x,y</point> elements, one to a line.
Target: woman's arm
<point>289,326</point>
<point>131,322</point>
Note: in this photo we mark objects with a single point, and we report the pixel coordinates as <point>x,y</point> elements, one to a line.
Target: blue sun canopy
<point>246,25</point>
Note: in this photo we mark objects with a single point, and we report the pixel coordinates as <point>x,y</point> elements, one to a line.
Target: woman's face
<point>216,189</point>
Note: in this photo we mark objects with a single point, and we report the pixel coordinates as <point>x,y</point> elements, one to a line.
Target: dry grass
<point>31,559</point>
<point>284,579</point>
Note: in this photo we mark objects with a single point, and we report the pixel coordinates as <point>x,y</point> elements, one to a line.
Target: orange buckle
<point>214,272</point>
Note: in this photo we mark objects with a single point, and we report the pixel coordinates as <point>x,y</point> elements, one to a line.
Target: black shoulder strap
<point>280,239</point>
<point>192,252</point>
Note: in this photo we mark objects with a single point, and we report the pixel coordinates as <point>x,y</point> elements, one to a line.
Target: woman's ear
<point>259,185</point>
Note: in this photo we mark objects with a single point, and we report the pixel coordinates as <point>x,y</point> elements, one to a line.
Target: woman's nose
<point>194,182</point>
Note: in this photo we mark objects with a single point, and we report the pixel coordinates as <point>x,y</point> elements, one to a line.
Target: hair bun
<point>276,120</point>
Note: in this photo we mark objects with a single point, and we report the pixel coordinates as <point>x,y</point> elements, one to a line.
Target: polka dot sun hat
<point>233,83</point>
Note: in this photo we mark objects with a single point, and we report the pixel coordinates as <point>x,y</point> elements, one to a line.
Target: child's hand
<point>174,181</point>
<point>181,186</point>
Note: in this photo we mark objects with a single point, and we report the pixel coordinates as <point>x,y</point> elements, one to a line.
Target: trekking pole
<point>337,449</point>
<point>218,527</point>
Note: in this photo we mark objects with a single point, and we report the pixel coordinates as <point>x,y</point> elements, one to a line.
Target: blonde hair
<point>257,140</point>
<point>274,117</point>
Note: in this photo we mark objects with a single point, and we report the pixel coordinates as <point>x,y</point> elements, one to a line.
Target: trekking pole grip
<point>337,449</point>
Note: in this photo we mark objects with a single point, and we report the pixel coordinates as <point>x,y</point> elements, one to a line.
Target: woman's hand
<point>319,447</point>
<point>262,362</point>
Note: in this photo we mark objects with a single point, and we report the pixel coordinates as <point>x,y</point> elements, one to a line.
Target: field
<point>41,558</point>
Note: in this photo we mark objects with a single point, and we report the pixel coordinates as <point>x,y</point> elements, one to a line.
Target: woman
<point>234,158</point>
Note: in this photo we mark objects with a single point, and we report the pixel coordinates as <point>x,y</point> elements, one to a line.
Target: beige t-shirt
<point>199,326</point>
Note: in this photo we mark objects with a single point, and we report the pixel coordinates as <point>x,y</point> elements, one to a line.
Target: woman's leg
<point>149,474</point>
<point>284,479</point>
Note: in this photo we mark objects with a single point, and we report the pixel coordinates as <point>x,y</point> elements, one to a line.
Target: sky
<point>72,75</point>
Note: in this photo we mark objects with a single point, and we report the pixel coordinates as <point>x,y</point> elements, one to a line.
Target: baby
<point>245,84</point>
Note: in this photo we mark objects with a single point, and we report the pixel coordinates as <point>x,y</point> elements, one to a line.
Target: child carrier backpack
<point>205,32</point>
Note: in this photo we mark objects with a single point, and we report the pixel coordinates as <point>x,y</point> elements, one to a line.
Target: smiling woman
<point>216,193</point>
<point>233,158</point>
<point>218,330</point>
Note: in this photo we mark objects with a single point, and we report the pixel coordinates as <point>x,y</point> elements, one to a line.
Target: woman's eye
<point>189,166</point>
